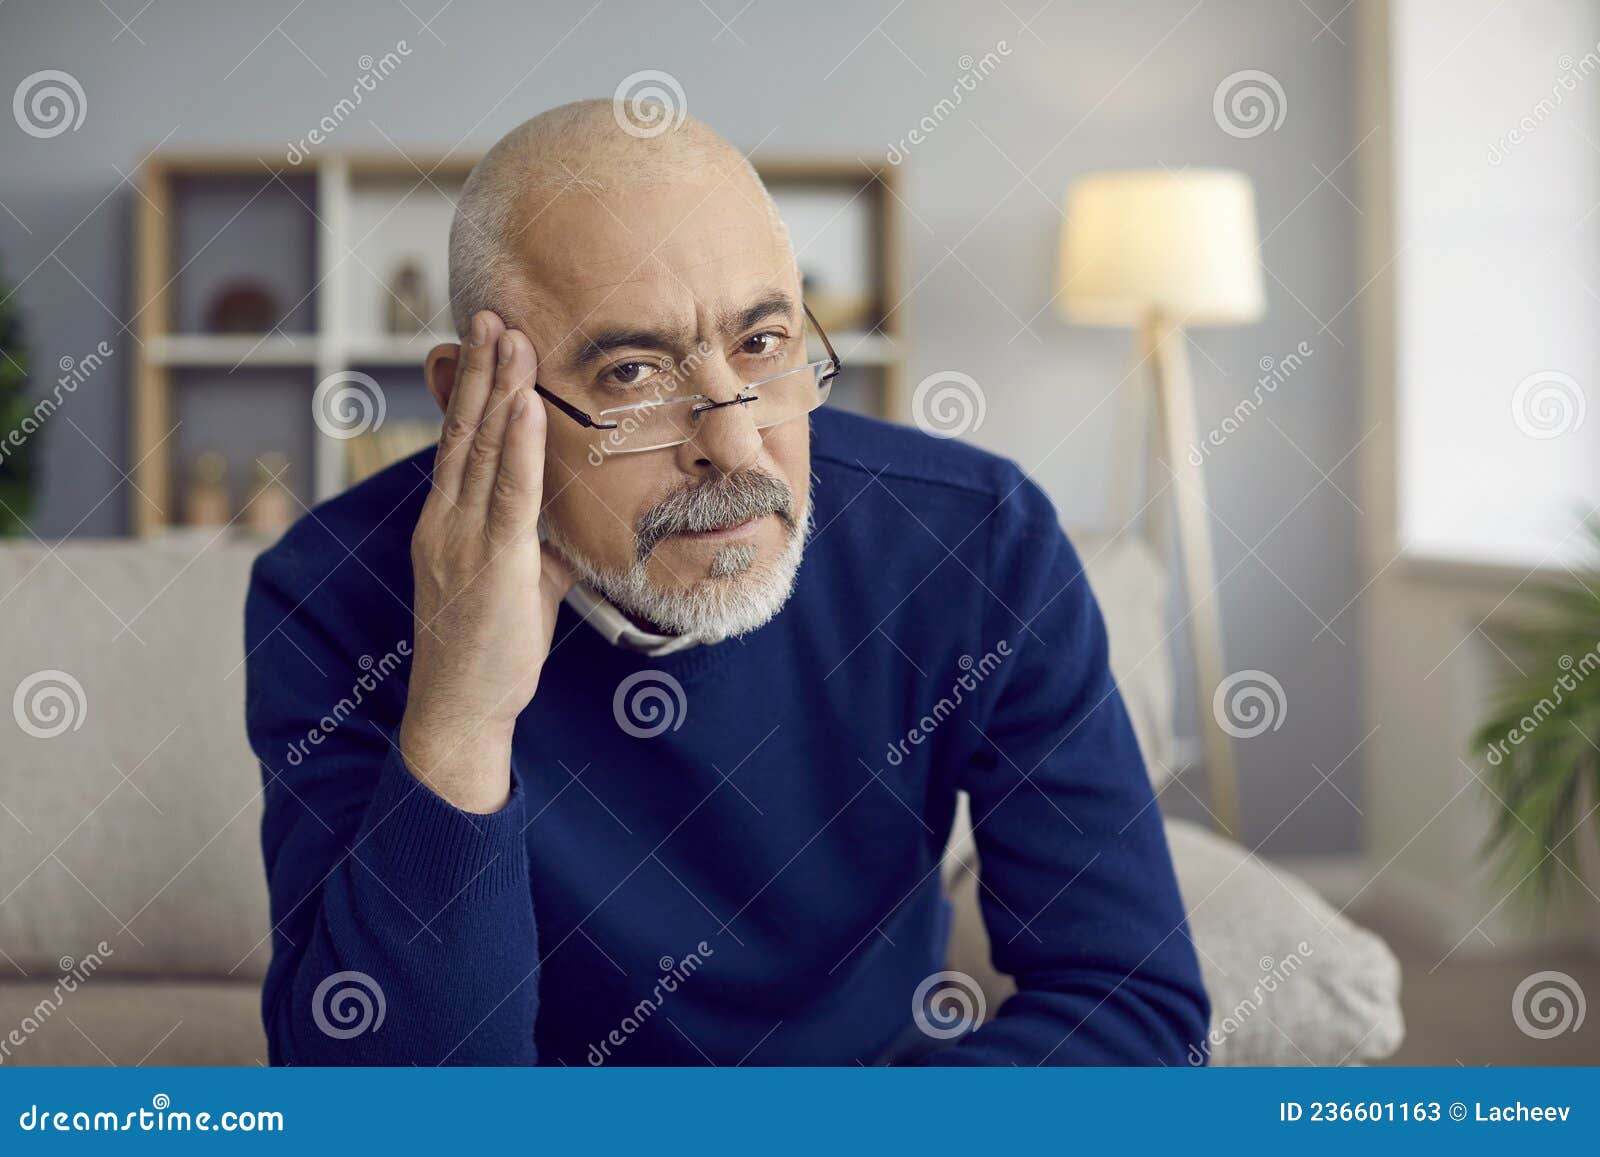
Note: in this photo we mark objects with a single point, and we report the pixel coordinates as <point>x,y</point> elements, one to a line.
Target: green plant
<point>1540,740</point>
<point>16,462</point>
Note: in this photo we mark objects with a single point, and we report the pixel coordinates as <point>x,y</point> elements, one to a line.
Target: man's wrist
<point>469,767</point>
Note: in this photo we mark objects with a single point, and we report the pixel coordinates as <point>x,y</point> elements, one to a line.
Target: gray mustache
<point>725,501</point>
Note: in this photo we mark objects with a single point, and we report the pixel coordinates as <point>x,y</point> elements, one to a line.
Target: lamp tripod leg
<point>1176,415</point>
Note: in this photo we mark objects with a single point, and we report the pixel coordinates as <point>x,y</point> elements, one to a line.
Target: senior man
<point>599,689</point>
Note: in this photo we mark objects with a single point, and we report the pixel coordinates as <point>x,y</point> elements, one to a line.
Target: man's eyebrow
<point>775,304</point>
<point>597,346</point>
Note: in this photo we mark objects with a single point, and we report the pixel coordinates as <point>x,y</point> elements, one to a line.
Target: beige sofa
<point>133,911</point>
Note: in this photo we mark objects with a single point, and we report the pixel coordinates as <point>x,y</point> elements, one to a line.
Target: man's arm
<point>1079,896</point>
<point>403,927</point>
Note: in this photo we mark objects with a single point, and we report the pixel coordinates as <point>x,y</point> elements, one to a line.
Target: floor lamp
<point>1161,251</point>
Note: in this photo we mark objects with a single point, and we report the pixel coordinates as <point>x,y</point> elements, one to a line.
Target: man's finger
<point>474,376</point>
<point>518,489</point>
<point>514,370</point>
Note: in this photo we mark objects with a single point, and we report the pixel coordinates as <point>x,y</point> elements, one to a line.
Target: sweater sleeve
<point>403,928</point>
<point>1079,896</point>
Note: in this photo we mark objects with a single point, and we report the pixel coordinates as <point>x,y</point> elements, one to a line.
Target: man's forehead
<point>593,241</point>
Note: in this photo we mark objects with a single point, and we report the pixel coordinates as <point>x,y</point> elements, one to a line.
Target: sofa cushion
<point>1291,981</point>
<point>127,1022</point>
<point>1130,585</point>
<point>130,802</point>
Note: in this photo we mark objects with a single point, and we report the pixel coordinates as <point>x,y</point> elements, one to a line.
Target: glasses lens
<point>671,421</point>
<point>663,421</point>
<point>785,398</point>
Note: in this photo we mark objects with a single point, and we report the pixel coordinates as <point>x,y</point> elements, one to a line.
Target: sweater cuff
<point>433,848</point>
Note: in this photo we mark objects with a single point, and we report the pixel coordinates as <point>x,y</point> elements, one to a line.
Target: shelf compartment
<point>236,228</point>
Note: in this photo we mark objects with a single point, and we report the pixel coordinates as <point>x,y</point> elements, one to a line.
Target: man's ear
<point>440,371</point>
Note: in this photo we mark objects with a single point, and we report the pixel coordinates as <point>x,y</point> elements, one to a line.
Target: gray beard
<point>738,595</point>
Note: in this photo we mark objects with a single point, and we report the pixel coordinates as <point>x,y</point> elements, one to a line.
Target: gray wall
<point>1086,86</point>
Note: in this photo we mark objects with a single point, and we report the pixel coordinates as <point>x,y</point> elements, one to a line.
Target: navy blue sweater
<point>752,876</point>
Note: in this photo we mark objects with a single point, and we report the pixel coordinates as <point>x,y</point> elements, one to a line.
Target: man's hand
<point>486,592</point>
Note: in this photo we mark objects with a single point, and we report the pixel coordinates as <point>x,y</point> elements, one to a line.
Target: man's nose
<point>725,437</point>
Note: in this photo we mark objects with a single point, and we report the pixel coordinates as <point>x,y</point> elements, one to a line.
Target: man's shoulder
<point>925,472</point>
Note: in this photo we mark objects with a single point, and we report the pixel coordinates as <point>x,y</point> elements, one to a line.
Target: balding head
<point>589,147</point>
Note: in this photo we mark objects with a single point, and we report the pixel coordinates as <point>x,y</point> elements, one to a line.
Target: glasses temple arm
<point>569,409</point>
<point>826,344</point>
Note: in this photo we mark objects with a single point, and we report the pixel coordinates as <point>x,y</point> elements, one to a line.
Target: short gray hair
<point>582,145</point>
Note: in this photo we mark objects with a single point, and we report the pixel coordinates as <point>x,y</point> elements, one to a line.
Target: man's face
<point>659,295</point>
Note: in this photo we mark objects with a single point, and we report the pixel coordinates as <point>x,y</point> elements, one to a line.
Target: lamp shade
<point>1182,245</point>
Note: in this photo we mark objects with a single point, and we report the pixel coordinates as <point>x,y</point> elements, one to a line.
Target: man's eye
<point>763,343</point>
<point>629,373</point>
